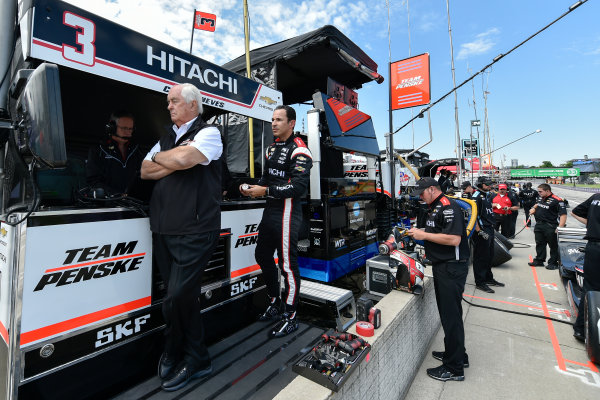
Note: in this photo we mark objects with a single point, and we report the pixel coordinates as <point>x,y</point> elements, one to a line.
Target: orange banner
<point>410,85</point>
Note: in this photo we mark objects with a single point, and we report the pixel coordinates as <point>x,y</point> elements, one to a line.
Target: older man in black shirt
<point>588,213</point>
<point>447,248</point>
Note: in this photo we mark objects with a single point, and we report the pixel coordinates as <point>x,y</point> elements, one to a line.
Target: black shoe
<point>284,327</point>
<point>535,264</point>
<point>272,312</point>
<point>579,335</point>
<point>439,355</point>
<point>165,365</point>
<point>551,266</point>
<point>494,282</point>
<point>183,374</point>
<point>442,373</point>
<point>485,288</point>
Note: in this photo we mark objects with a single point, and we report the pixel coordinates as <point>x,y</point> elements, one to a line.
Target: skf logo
<point>249,237</point>
<point>205,21</point>
<point>243,286</point>
<point>120,331</point>
<point>92,263</point>
<point>339,243</point>
<point>267,100</point>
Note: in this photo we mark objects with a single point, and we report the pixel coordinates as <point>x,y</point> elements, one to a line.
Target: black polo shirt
<point>550,209</point>
<point>446,216</point>
<point>590,209</point>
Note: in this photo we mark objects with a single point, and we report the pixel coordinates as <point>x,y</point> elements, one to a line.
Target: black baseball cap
<point>465,185</point>
<point>423,184</point>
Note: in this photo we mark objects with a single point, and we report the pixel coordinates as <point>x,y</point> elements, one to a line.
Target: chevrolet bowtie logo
<point>267,100</point>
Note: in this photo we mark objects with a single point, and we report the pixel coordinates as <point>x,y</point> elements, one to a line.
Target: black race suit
<point>528,199</point>
<point>286,175</point>
<point>450,268</point>
<point>483,250</point>
<point>589,209</point>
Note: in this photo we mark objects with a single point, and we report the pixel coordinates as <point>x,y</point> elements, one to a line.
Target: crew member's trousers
<point>483,253</point>
<point>503,224</point>
<point>449,283</point>
<point>591,278</point>
<point>513,224</point>
<point>278,230</point>
<point>526,208</point>
<point>181,259</point>
<point>545,234</point>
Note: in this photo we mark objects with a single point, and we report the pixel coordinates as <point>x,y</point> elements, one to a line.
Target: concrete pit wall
<point>408,324</point>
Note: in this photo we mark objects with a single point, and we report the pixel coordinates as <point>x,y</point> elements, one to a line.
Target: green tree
<point>546,164</point>
<point>568,164</point>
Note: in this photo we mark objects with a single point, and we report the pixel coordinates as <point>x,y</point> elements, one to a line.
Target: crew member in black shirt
<point>483,238</point>
<point>547,211</point>
<point>467,190</point>
<point>528,198</point>
<point>514,198</point>
<point>447,248</point>
<point>588,213</point>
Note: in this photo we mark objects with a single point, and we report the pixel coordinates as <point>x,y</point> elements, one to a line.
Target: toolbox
<point>333,359</point>
<point>329,303</point>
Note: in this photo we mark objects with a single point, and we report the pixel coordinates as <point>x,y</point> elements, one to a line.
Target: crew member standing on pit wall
<point>115,164</point>
<point>447,248</point>
<point>588,213</point>
<point>483,239</point>
<point>528,198</point>
<point>284,181</point>
<point>547,211</point>
<point>502,207</point>
<point>185,219</point>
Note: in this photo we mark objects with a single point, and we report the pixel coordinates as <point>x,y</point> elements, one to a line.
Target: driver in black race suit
<point>285,179</point>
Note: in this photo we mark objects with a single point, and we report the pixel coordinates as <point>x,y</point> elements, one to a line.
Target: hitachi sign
<point>189,70</point>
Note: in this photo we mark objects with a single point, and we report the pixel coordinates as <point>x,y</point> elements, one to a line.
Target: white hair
<point>190,93</point>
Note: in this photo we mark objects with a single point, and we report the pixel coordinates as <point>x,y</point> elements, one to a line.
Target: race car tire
<point>592,326</point>
<point>507,243</point>
<point>501,254</point>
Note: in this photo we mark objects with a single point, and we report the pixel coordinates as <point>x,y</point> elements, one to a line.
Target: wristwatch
<point>154,156</point>
<point>267,191</point>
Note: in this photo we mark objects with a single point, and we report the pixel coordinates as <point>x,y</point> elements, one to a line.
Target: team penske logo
<point>95,262</point>
<point>249,237</point>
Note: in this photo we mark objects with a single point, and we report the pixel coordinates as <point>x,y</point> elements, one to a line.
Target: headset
<point>111,126</point>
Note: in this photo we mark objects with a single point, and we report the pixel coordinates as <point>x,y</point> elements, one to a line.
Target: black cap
<point>484,180</point>
<point>423,184</point>
<point>465,185</point>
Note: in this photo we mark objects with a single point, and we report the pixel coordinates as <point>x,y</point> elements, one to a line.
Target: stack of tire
<point>502,247</point>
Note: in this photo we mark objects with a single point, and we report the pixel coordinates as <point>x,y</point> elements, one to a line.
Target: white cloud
<point>482,44</point>
<point>271,21</point>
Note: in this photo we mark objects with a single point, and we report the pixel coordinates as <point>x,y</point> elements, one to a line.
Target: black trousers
<point>503,224</point>
<point>526,208</point>
<point>181,259</point>
<point>278,231</point>
<point>449,283</point>
<point>483,253</point>
<point>545,235</point>
<point>591,277</point>
<point>512,228</point>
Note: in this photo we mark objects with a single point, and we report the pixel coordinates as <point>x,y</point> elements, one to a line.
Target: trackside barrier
<point>408,324</point>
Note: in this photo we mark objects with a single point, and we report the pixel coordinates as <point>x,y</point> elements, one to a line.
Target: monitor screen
<point>39,108</point>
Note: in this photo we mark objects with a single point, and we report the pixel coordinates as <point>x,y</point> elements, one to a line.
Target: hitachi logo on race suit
<point>92,263</point>
<point>276,172</point>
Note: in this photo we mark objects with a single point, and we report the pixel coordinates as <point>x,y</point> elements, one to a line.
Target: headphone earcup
<point>111,128</point>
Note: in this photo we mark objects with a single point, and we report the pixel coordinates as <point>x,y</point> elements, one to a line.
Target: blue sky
<point>550,83</point>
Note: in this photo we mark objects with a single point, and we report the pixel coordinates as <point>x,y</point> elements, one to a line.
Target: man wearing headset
<point>114,165</point>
